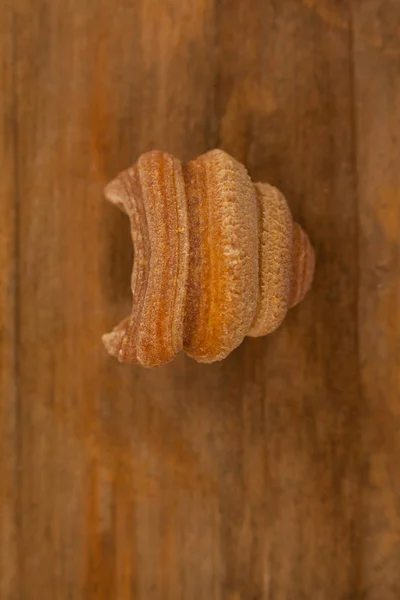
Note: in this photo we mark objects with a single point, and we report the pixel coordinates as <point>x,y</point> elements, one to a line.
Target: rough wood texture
<point>272,475</point>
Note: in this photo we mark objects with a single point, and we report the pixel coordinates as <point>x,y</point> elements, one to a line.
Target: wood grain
<point>8,313</point>
<point>275,473</point>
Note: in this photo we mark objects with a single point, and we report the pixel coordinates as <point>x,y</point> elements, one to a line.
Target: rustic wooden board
<point>276,473</point>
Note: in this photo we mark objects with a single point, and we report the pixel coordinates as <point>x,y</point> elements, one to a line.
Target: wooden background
<point>276,473</point>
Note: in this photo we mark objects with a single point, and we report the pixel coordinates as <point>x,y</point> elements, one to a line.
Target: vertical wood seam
<point>356,553</point>
<point>16,303</point>
<point>217,75</point>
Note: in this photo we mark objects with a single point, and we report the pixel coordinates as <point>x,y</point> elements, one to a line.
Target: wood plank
<point>8,313</point>
<point>377,78</point>
<point>109,477</point>
<point>300,386</point>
